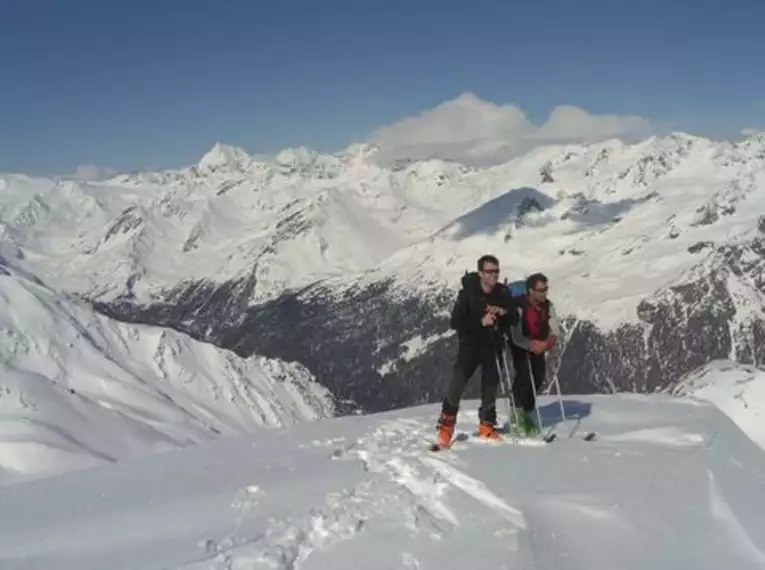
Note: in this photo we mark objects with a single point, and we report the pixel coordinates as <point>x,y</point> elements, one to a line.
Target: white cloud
<point>89,172</point>
<point>479,132</point>
<point>750,132</point>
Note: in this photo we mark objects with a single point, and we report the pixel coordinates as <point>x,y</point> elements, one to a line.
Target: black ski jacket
<point>470,308</point>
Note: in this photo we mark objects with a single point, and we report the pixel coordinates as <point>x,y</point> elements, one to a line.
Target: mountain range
<point>349,265</point>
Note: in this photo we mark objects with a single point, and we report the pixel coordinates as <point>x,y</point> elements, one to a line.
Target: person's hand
<point>537,346</point>
<point>551,342</point>
<point>494,310</point>
<point>488,319</point>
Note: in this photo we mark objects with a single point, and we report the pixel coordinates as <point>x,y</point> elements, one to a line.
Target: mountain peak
<point>223,155</point>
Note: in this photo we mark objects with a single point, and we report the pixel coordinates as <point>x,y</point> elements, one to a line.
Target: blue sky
<point>144,84</point>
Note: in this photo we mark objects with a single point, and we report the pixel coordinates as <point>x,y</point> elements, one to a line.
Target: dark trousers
<point>468,360</point>
<point>528,367</point>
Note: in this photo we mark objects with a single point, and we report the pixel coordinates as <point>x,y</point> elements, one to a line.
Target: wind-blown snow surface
<point>79,389</point>
<point>670,483</point>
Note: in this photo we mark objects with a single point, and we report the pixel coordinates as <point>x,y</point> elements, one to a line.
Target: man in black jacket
<point>481,316</point>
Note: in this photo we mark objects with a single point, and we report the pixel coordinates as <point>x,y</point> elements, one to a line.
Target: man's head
<point>536,287</point>
<point>488,270</point>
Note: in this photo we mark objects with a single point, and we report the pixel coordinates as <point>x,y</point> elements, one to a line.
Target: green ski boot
<point>528,426</point>
<point>518,422</point>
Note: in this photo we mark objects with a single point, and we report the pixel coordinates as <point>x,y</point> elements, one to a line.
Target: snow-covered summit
<point>222,155</point>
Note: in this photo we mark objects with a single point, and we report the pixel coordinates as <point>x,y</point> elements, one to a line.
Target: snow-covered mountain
<point>79,389</point>
<point>266,225</point>
<point>669,483</point>
<point>656,253</point>
<point>654,250</point>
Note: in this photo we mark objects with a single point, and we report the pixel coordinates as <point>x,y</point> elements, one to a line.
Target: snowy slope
<point>739,391</point>
<point>668,484</point>
<point>78,389</point>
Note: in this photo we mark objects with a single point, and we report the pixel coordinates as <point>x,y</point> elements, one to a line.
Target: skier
<point>482,316</point>
<point>533,333</point>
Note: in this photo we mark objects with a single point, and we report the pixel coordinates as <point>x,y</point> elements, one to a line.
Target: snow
<point>607,241</point>
<point>412,348</point>
<point>669,483</point>
<point>738,390</point>
<point>125,446</point>
<point>78,389</point>
<point>619,220</point>
<point>222,155</point>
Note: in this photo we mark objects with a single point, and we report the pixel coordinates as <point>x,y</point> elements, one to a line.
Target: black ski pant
<point>469,358</point>
<point>528,367</point>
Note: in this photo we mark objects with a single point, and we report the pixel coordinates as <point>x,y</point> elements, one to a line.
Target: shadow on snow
<point>573,410</point>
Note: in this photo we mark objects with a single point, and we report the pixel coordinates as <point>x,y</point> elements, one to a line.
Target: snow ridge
<point>739,391</point>
<point>78,389</point>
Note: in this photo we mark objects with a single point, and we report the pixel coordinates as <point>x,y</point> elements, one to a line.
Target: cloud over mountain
<point>481,133</point>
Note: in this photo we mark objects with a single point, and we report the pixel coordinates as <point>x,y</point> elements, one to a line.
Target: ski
<point>588,436</point>
<point>475,439</point>
<point>508,438</point>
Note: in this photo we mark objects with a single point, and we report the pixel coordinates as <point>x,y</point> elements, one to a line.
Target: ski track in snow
<point>434,499</point>
<point>403,483</point>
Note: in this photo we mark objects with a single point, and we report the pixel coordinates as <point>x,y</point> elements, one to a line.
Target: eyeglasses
<point>491,271</point>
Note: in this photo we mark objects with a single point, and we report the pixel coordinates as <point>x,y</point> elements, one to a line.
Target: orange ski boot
<point>446,429</point>
<point>487,431</point>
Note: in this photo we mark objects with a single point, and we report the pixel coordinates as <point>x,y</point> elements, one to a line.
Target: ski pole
<point>534,390</point>
<point>504,379</point>
<point>502,383</point>
<point>511,417</point>
<point>560,398</point>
